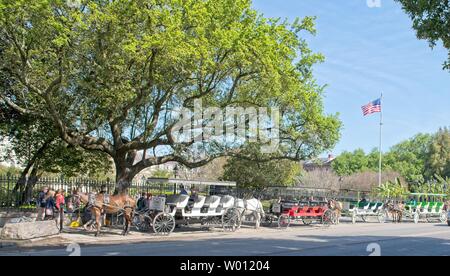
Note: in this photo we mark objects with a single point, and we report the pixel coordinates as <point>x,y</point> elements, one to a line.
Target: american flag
<point>372,107</point>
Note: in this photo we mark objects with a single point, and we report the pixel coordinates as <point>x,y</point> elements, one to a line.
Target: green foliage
<point>438,162</point>
<point>259,175</point>
<point>34,142</point>
<point>4,170</point>
<point>439,185</point>
<point>392,190</point>
<point>349,163</point>
<point>431,20</point>
<point>117,68</point>
<point>161,174</point>
<point>409,158</point>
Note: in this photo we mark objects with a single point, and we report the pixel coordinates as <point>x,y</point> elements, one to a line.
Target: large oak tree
<point>109,73</point>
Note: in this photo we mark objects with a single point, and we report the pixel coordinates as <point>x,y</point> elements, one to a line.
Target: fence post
<point>8,192</point>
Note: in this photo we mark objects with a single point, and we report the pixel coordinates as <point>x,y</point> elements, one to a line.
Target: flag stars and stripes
<point>372,107</point>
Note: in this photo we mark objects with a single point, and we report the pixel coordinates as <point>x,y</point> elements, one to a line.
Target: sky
<point>370,51</point>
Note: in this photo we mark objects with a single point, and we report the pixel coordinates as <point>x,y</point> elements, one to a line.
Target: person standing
<point>60,202</point>
<point>40,204</point>
<point>50,205</point>
<point>103,189</point>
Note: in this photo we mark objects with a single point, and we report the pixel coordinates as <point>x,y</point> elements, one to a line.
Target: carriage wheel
<point>327,218</point>
<point>381,217</point>
<point>163,224</point>
<point>142,222</point>
<point>231,220</point>
<point>416,218</point>
<point>284,221</point>
<point>443,217</point>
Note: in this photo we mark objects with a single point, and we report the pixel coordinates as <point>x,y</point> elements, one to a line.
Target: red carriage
<point>307,212</point>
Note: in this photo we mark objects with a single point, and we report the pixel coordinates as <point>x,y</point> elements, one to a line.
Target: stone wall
<point>6,216</point>
<point>29,230</point>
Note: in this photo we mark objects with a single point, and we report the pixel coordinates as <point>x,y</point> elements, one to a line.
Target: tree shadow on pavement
<point>300,245</point>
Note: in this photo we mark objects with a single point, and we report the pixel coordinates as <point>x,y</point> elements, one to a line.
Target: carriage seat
<point>199,202</point>
<point>227,202</point>
<point>178,201</point>
<point>212,202</point>
<point>379,206</point>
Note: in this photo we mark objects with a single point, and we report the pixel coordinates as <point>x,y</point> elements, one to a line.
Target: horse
<point>251,207</point>
<point>447,205</point>
<point>395,211</point>
<point>102,204</point>
<point>337,208</point>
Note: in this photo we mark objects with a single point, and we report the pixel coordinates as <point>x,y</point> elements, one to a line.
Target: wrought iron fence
<point>11,193</point>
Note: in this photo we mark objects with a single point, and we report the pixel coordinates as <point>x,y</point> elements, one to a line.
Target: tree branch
<point>20,109</point>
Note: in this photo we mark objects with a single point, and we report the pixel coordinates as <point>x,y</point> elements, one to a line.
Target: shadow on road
<point>299,245</point>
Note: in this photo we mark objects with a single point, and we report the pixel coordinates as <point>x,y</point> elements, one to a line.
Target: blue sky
<point>369,51</point>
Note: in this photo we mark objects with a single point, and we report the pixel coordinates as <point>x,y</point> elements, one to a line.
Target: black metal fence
<point>11,194</point>
<point>11,197</point>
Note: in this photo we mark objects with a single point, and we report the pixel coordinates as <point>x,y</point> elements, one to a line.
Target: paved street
<point>345,239</point>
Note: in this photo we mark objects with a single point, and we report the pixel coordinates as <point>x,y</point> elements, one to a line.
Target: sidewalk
<point>110,236</point>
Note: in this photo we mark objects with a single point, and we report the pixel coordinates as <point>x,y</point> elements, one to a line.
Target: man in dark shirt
<point>103,189</point>
<point>41,203</point>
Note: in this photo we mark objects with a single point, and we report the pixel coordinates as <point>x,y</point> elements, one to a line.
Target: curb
<point>7,244</point>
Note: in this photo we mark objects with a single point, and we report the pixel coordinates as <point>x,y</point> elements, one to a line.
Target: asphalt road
<point>362,239</point>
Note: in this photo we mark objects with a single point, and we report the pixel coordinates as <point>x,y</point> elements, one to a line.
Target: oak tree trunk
<point>124,176</point>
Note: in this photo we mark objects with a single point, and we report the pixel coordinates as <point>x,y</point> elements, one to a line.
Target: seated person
<point>141,202</point>
<point>148,200</point>
<point>277,202</point>
<point>183,191</point>
<point>192,198</point>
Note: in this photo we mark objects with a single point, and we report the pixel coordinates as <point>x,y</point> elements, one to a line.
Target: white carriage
<point>167,212</point>
<point>429,210</point>
<point>365,210</point>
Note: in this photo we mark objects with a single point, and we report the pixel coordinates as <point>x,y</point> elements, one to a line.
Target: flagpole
<point>381,143</point>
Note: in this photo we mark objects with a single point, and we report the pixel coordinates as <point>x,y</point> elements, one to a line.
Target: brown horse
<point>102,205</point>
<point>337,208</point>
<point>447,205</point>
<point>396,210</point>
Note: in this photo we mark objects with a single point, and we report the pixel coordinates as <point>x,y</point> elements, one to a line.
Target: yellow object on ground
<point>76,223</point>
